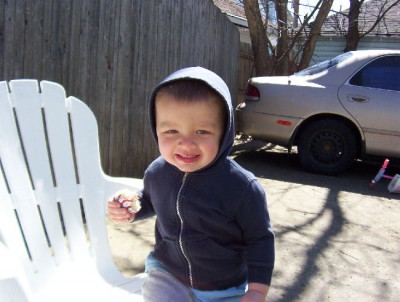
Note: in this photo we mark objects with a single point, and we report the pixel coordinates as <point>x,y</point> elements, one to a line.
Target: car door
<point>372,97</point>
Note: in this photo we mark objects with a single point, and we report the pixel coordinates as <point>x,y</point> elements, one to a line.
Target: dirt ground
<point>336,239</point>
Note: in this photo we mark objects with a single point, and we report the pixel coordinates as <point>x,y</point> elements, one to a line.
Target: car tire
<point>327,147</point>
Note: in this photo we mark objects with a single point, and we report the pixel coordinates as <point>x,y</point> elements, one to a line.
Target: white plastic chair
<point>53,192</point>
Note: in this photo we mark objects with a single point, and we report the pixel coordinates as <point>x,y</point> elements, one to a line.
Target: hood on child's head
<point>216,83</point>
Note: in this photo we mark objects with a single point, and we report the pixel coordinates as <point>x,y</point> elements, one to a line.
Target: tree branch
<point>381,15</point>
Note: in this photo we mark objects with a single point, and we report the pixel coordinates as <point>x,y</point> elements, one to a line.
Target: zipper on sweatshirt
<point>178,211</point>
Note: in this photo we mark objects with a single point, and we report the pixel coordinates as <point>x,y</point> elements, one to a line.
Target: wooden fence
<point>111,53</point>
<point>246,69</point>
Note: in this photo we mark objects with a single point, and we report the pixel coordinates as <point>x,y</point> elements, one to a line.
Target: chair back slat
<point>26,97</point>
<point>96,186</point>
<point>61,148</point>
<point>22,196</point>
<point>93,193</point>
<point>10,231</point>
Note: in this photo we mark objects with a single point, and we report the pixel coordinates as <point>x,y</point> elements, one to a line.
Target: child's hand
<point>256,292</point>
<point>252,296</point>
<point>118,214</point>
<point>123,206</point>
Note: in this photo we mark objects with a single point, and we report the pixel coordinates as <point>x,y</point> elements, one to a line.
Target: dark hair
<point>191,90</point>
<point>188,90</point>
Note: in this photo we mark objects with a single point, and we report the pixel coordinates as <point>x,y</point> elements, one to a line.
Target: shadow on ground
<point>331,234</point>
<point>274,162</point>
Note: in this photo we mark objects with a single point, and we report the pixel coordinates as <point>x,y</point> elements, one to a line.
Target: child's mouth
<point>187,158</point>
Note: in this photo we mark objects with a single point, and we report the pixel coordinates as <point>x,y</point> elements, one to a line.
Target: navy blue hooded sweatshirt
<point>213,229</point>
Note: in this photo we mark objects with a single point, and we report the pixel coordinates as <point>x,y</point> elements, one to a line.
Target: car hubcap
<point>327,147</point>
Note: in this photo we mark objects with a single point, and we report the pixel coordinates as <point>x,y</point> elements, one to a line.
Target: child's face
<point>189,133</point>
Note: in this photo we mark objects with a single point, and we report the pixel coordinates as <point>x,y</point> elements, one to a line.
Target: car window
<point>317,68</point>
<point>382,73</point>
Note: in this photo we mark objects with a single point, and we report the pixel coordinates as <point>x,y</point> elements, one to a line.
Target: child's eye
<point>171,131</point>
<point>202,132</point>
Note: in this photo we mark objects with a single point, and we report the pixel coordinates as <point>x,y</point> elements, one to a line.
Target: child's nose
<point>187,140</point>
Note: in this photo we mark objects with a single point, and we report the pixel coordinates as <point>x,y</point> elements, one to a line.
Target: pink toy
<point>394,185</point>
<point>381,173</point>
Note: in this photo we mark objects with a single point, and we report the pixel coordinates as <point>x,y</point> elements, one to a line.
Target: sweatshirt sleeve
<point>253,217</point>
<point>147,209</point>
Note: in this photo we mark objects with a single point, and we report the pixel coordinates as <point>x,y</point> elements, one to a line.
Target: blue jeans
<point>161,286</point>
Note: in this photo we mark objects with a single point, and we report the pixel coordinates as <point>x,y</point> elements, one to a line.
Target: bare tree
<point>278,60</point>
<point>311,41</point>
<point>296,6</point>
<point>281,53</point>
<point>354,35</point>
<point>263,61</point>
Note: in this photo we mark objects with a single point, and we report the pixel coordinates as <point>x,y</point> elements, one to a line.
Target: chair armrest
<point>115,184</point>
<point>131,182</point>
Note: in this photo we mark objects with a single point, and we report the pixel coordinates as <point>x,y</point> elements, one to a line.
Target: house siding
<point>386,35</point>
<point>328,47</point>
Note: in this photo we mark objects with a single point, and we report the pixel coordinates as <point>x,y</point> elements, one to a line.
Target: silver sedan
<point>344,108</point>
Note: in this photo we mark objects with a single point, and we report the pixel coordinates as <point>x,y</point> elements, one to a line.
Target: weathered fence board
<point>246,69</point>
<point>111,53</point>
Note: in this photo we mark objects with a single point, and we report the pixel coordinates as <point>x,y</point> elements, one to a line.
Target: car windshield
<point>317,68</point>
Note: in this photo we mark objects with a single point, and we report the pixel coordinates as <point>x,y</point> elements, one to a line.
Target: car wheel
<point>327,147</point>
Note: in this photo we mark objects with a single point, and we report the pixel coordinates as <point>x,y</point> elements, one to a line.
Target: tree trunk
<point>353,34</point>
<point>262,60</point>
<point>309,46</point>
<point>296,13</point>
<point>282,53</point>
